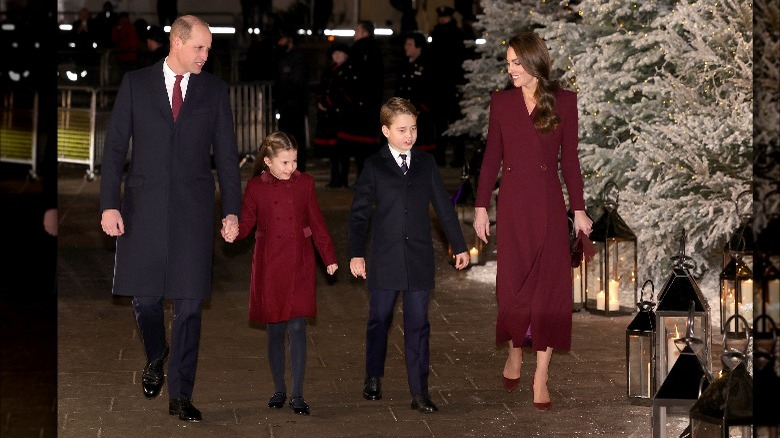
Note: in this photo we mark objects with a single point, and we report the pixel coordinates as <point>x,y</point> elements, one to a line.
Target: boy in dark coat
<point>394,193</point>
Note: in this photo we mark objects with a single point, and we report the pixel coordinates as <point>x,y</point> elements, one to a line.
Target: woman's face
<point>518,75</point>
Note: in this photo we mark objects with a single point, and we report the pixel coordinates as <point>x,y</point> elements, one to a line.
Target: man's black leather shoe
<point>372,388</point>
<point>423,403</point>
<point>153,376</point>
<point>183,407</point>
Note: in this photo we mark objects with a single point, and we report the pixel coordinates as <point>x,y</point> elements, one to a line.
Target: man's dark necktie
<point>404,166</point>
<point>177,100</point>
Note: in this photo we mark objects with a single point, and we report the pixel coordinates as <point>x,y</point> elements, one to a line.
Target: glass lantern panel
<point>745,293</point>
<point>594,275</point>
<point>670,421</point>
<point>670,329</point>
<point>728,301</point>
<point>639,366</point>
<point>578,287</point>
<point>771,298</point>
<point>621,272</point>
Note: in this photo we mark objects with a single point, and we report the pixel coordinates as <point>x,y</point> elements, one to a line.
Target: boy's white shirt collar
<point>397,155</point>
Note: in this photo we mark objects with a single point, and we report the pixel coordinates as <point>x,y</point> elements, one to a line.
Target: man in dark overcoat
<point>176,116</point>
<point>363,88</point>
<point>447,51</point>
<point>414,82</point>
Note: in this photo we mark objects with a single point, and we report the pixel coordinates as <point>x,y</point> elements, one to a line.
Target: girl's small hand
<point>331,269</point>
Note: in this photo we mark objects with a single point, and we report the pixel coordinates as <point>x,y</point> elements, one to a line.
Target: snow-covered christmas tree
<point>665,112</point>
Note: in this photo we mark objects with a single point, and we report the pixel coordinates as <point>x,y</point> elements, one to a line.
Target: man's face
<point>412,51</point>
<point>192,54</point>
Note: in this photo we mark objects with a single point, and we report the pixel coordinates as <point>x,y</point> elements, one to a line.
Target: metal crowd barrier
<point>253,115</point>
<point>18,129</point>
<point>82,119</point>
<point>83,114</point>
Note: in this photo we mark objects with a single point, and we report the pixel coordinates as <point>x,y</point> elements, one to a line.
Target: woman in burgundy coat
<point>530,124</point>
<point>281,205</point>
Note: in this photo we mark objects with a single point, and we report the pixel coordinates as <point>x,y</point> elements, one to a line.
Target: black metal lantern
<point>640,352</point>
<point>672,314</point>
<point>725,408</point>
<point>610,276</point>
<point>683,385</point>
<point>736,293</point>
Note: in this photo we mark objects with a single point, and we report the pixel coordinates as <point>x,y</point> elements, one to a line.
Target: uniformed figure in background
<point>446,55</point>
<point>414,83</point>
<point>291,92</point>
<point>330,102</point>
<point>363,89</point>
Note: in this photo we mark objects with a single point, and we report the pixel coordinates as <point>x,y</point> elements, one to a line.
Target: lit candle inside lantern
<point>747,291</point>
<point>728,307</point>
<point>647,376</point>
<point>600,300</point>
<point>614,301</point>
<point>474,255</point>
<point>577,291</point>
<point>672,353</point>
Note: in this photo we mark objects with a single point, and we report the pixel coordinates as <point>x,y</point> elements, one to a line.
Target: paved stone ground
<point>100,356</point>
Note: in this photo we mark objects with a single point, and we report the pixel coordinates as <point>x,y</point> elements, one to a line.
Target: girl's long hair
<point>273,144</point>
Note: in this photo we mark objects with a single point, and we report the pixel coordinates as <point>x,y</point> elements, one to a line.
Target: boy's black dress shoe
<point>183,407</point>
<point>299,406</point>
<point>372,388</point>
<point>153,376</point>
<point>277,400</point>
<point>423,403</point>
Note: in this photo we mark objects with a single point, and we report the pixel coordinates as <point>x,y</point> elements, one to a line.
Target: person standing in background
<point>329,105</point>
<point>363,91</point>
<point>179,119</point>
<point>291,93</point>
<point>414,83</point>
<point>447,53</point>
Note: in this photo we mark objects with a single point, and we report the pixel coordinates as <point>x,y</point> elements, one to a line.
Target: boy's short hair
<point>394,107</point>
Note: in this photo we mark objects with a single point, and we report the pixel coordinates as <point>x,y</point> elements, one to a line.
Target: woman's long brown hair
<point>535,59</point>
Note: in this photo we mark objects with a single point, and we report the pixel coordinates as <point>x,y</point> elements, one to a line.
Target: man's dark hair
<point>420,41</point>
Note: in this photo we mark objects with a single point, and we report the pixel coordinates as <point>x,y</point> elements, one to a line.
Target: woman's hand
<point>331,269</point>
<point>481,223</point>
<point>582,223</point>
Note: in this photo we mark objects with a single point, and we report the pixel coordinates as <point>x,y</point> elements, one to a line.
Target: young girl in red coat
<point>280,204</point>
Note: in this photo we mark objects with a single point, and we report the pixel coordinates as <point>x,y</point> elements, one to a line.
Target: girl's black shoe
<point>299,406</point>
<point>277,400</point>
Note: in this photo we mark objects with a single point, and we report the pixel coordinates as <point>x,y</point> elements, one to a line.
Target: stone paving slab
<point>101,357</point>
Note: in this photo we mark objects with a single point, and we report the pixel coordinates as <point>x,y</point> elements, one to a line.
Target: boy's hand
<point>357,265</point>
<point>331,269</point>
<point>461,260</point>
